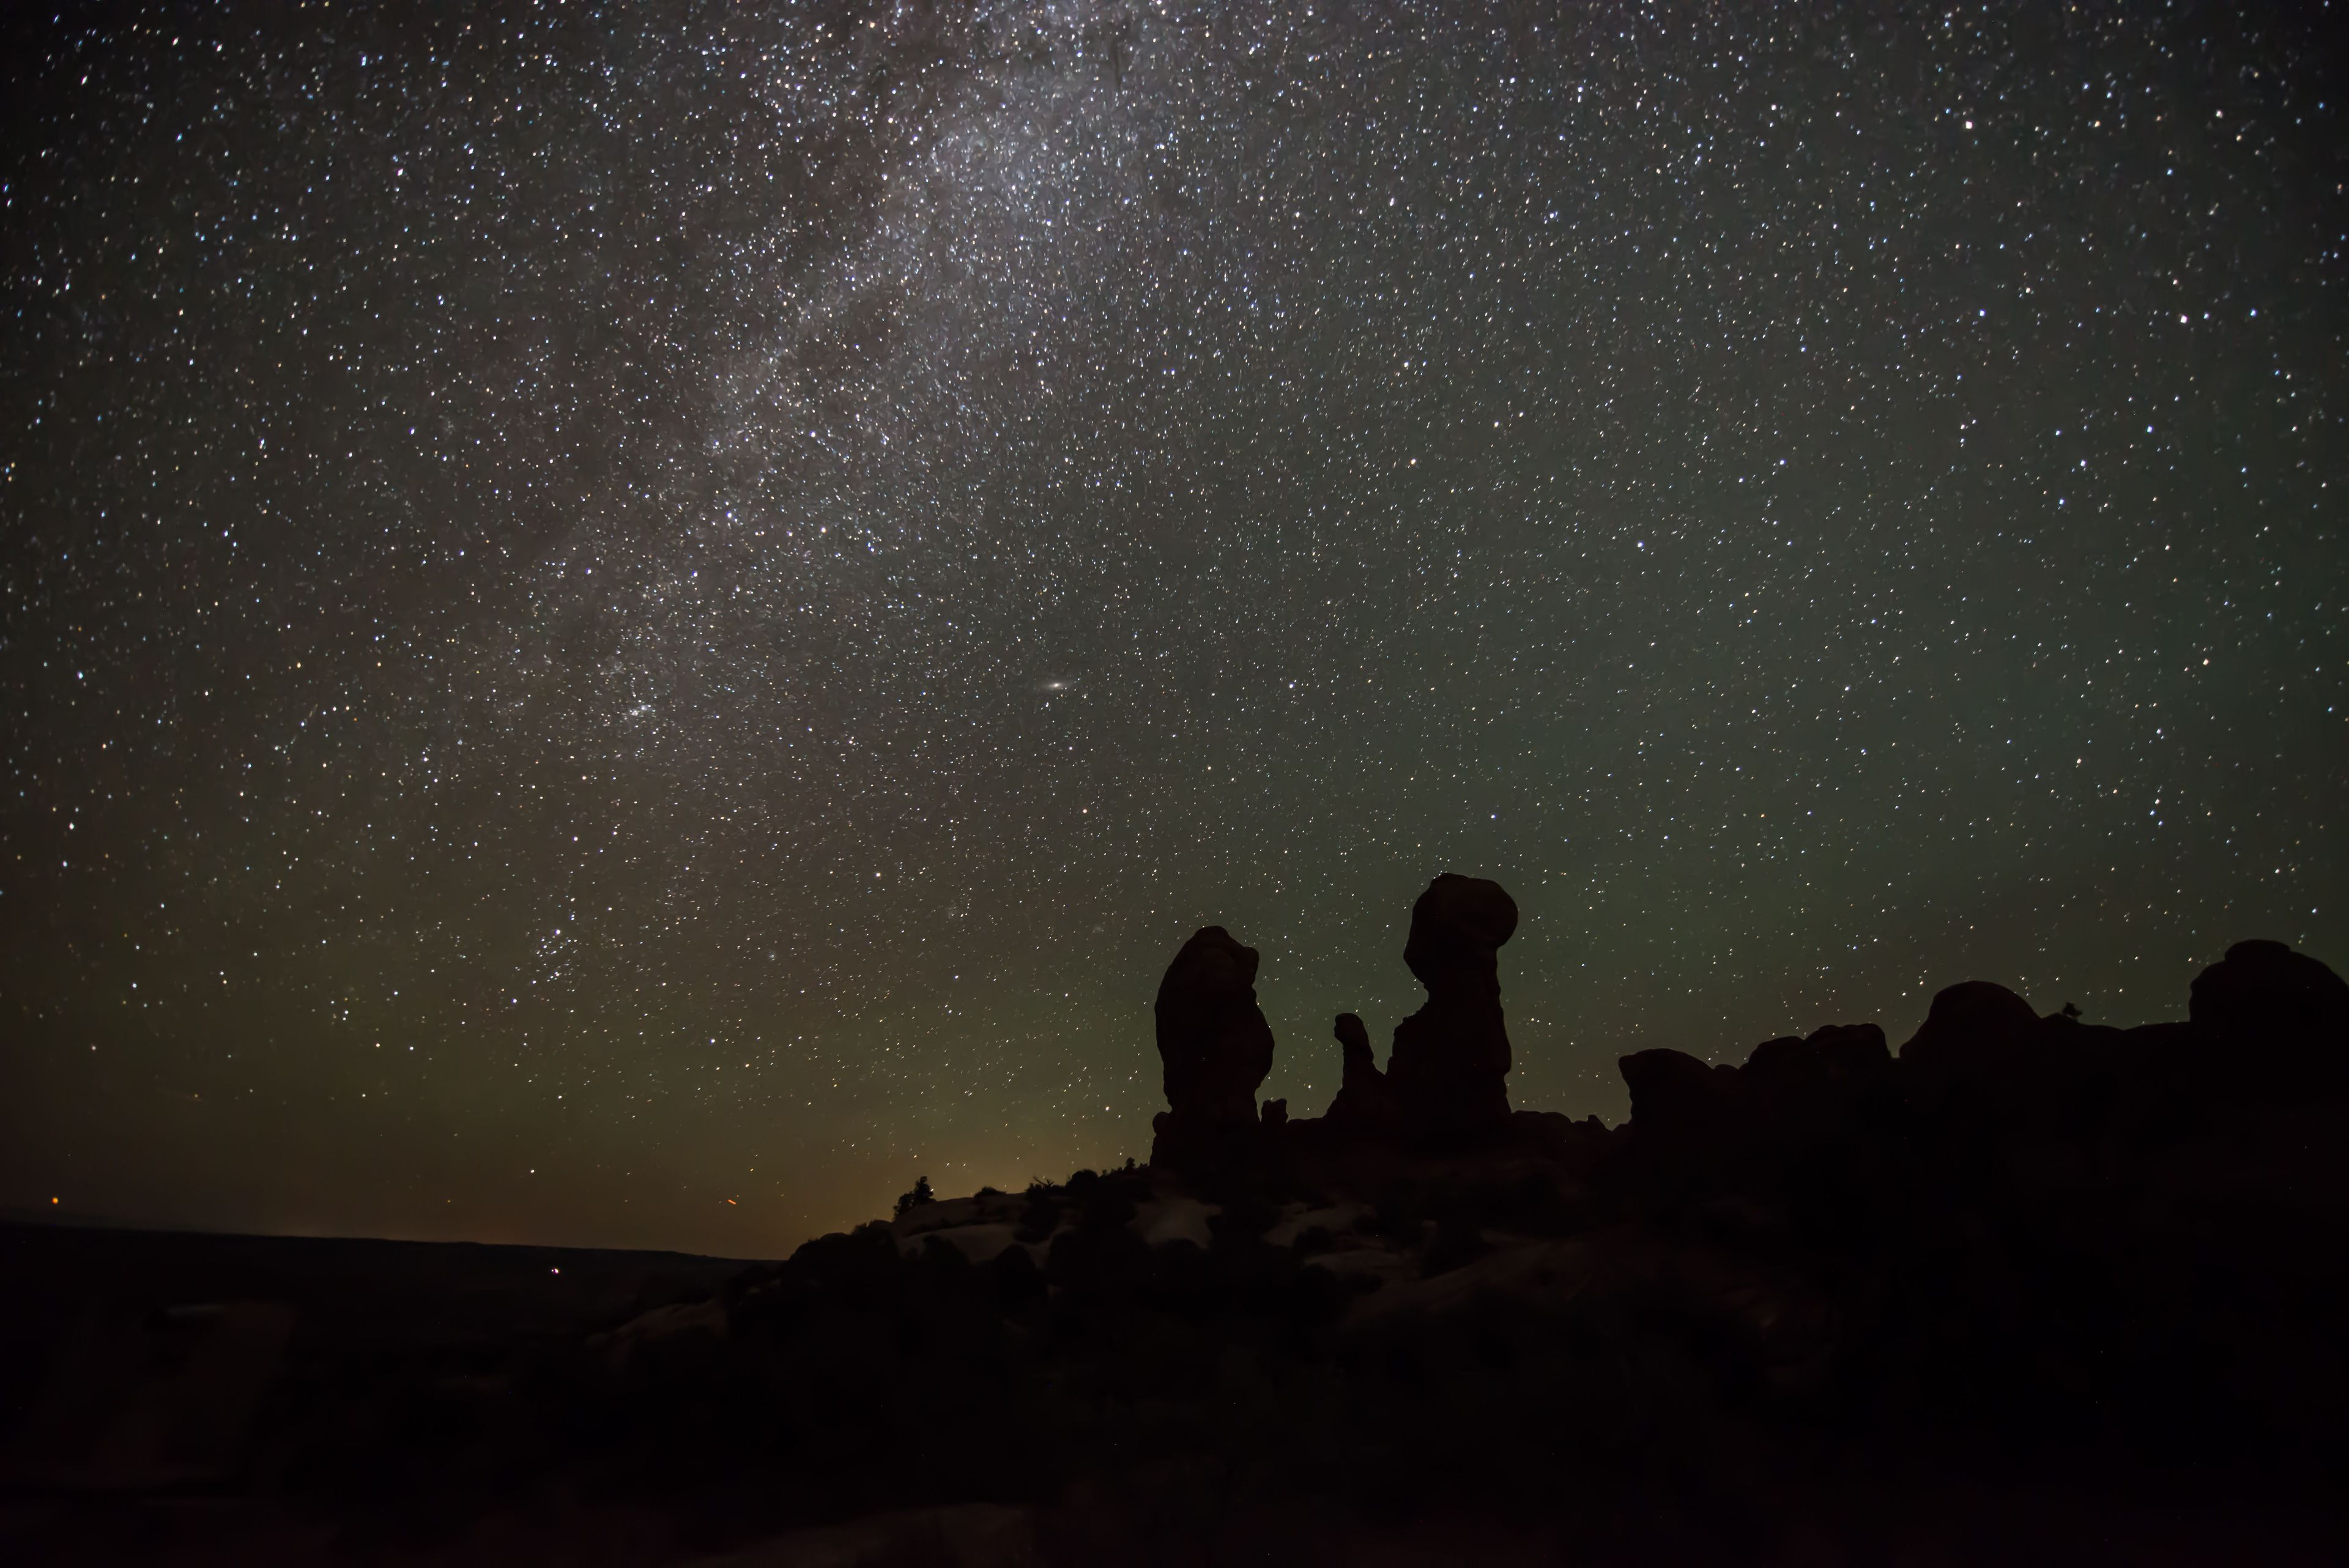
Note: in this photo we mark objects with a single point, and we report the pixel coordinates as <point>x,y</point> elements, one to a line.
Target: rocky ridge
<point>2026,1284</point>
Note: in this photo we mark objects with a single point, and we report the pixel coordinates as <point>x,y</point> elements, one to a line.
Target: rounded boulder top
<point>1214,968</point>
<point>2266,987</point>
<point>1458,915</point>
<point>1969,1024</point>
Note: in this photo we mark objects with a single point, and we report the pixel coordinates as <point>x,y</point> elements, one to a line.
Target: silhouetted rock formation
<point>1840,1054</point>
<point>2030,1263</point>
<point>2285,1014</point>
<point>1674,1094</point>
<point>1215,1047</point>
<point>2266,986</point>
<point>1692,1118</point>
<point>1363,1104</point>
<point>2018,1221</point>
<point>1670,1089</point>
<point>1449,1070</point>
<point>1972,1032</point>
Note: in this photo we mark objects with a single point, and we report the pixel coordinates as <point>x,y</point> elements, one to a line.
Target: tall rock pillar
<point>1448,1074</point>
<point>1215,1047</point>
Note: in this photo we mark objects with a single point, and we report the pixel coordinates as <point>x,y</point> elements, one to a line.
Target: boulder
<point>1696,1125</point>
<point>1673,1089</point>
<point>1687,1115</point>
<point>2265,988</point>
<point>1973,1033</point>
<point>1828,1063</point>
<point>2281,1018</point>
<point>1850,1049</point>
<point>1448,1073</point>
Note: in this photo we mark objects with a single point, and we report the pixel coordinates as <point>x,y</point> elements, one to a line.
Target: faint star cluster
<point>630,624</point>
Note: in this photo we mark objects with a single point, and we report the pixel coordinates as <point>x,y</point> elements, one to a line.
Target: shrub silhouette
<point>909,1201</point>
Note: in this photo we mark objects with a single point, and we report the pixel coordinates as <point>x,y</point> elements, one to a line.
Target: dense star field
<point>631,624</point>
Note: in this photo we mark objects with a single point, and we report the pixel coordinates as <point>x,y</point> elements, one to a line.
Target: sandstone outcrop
<point>1448,1073</point>
<point>1363,1104</point>
<point>2282,1016</point>
<point>1213,1045</point>
<point>1973,1031</point>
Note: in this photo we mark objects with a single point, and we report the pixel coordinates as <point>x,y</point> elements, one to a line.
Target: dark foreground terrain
<point>2028,1291</point>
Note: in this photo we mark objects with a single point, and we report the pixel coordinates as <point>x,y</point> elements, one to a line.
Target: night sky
<point>630,624</point>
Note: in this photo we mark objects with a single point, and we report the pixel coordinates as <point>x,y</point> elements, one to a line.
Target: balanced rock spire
<point>1449,1071</point>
